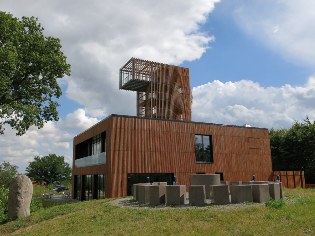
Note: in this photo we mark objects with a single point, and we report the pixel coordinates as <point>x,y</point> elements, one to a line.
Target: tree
<point>7,174</point>
<point>293,149</point>
<point>30,64</point>
<point>51,168</point>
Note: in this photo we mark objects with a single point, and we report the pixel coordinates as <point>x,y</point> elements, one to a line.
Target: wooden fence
<point>290,179</point>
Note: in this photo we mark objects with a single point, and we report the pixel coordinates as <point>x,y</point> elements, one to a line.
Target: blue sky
<point>251,61</point>
<point>235,55</point>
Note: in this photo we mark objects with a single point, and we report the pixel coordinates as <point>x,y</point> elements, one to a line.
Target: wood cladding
<point>163,91</point>
<point>142,145</point>
<point>291,179</point>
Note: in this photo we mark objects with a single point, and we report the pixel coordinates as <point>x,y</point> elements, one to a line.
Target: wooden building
<point>122,150</point>
<point>161,143</point>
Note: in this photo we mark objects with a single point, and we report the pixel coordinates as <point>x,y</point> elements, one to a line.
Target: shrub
<point>4,193</point>
<point>277,204</point>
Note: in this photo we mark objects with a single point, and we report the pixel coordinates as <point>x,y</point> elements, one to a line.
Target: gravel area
<point>128,202</point>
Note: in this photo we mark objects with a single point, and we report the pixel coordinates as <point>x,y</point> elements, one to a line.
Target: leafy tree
<point>294,149</point>
<point>7,174</point>
<point>49,168</point>
<point>30,64</point>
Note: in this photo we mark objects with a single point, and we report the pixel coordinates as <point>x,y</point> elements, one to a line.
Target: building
<point>161,143</point>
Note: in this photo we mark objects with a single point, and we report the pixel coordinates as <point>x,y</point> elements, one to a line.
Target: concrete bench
<point>197,195</point>
<point>221,194</point>
<point>139,192</point>
<point>260,192</point>
<point>275,190</point>
<point>205,179</point>
<point>134,190</point>
<point>241,193</point>
<point>159,183</point>
<point>255,182</point>
<point>155,194</point>
<point>175,195</point>
<point>235,182</point>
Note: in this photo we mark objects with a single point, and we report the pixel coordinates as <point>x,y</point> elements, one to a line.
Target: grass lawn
<point>99,217</point>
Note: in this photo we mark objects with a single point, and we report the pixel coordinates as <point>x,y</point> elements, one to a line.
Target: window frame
<point>203,150</point>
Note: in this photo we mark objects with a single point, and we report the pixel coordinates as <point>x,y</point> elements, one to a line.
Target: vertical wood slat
<point>140,145</point>
<point>168,147</point>
<point>291,179</point>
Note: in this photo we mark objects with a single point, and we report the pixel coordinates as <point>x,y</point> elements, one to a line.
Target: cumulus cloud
<point>246,102</point>
<point>55,137</point>
<point>284,25</point>
<point>99,37</point>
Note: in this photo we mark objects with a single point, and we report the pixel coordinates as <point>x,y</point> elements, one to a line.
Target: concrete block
<point>221,194</point>
<point>275,190</point>
<point>260,192</point>
<point>206,180</point>
<point>156,195</point>
<point>159,183</point>
<point>241,193</point>
<point>233,182</point>
<point>175,195</point>
<point>134,190</point>
<point>142,193</point>
<point>255,182</point>
<point>197,195</point>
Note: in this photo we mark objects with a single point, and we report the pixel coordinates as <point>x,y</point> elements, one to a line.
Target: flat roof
<point>169,120</point>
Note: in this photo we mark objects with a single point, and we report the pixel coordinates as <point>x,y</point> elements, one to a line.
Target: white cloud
<point>98,37</point>
<point>55,137</point>
<point>246,102</point>
<point>283,25</point>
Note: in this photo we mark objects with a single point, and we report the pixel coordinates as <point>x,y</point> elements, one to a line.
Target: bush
<point>277,204</point>
<point>4,193</point>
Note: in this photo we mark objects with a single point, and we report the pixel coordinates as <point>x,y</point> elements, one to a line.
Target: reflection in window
<point>101,187</point>
<point>77,187</point>
<point>88,187</point>
<point>96,144</point>
<point>92,146</point>
<point>203,148</point>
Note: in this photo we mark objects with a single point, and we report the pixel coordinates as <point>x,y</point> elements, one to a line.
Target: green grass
<point>39,190</point>
<point>296,216</point>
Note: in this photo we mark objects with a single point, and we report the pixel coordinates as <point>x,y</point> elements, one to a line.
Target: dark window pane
<point>203,148</point>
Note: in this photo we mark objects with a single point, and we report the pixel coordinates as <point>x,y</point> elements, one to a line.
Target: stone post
<point>20,197</point>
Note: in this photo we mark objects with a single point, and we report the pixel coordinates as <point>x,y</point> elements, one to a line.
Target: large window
<point>203,148</point>
<point>77,187</point>
<point>92,146</point>
<point>98,186</point>
<point>96,144</point>
<point>87,187</point>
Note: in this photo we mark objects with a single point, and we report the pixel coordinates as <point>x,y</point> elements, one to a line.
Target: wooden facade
<point>290,179</point>
<point>146,145</point>
<point>163,91</point>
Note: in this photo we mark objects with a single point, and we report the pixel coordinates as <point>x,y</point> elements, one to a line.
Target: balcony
<point>97,159</point>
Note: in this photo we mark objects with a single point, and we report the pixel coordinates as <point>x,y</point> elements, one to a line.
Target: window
<point>203,148</point>
<point>87,187</point>
<point>98,186</point>
<point>101,187</point>
<point>77,187</point>
<point>96,144</point>
<point>92,146</point>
